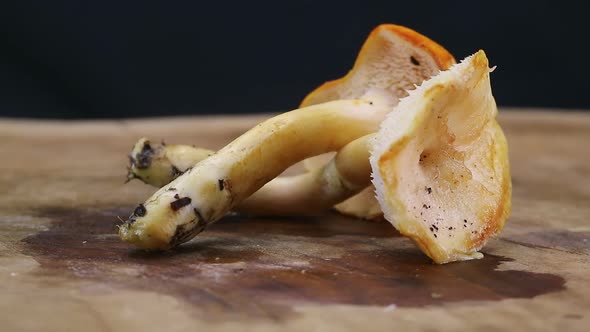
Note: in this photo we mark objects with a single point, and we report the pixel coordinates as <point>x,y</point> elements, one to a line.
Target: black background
<point>76,59</point>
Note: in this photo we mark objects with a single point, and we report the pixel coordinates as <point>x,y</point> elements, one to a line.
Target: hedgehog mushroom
<point>440,164</point>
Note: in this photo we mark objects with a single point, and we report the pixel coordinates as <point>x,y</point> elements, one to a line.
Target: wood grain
<point>62,266</point>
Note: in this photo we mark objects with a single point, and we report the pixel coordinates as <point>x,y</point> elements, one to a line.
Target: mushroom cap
<point>393,58</point>
<point>440,164</point>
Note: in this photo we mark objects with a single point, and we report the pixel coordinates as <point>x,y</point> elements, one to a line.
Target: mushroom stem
<point>203,194</point>
<point>159,164</point>
<point>342,177</point>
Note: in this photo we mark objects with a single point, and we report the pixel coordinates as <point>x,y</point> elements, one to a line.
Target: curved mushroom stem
<point>203,194</point>
<point>342,177</point>
<point>345,175</point>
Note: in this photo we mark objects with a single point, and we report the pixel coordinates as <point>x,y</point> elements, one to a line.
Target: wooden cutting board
<point>63,268</point>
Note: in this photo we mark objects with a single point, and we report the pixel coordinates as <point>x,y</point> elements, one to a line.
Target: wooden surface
<point>62,266</point>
